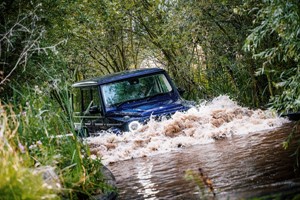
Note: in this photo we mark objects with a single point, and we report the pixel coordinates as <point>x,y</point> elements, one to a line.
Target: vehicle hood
<point>151,108</point>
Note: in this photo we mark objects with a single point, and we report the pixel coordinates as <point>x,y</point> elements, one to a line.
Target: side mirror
<point>181,91</point>
<point>94,110</point>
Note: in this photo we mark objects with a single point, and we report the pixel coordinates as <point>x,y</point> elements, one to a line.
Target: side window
<point>96,97</point>
<point>76,100</point>
<point>86,97</point>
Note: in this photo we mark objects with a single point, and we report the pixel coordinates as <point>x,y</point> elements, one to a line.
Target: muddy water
<point>242,166</point>
<point>239,150</point>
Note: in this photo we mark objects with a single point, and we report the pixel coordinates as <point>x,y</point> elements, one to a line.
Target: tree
<point>21,39</point>
<point>275,41</point>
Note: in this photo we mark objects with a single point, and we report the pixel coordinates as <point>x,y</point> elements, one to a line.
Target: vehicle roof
<point>116,77</point>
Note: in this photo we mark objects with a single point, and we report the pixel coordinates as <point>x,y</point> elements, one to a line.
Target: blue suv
<point>123,101</point>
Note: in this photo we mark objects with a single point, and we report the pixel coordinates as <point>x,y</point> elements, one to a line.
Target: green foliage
<point>47,130</point>
<point>289,100</point>
<point>18,181</point>
<point>46,44</point>
<point>19,38</point>
<point>198,42</point>
<point>22,44</point>
<point>42,100</point>
<point>98,33</point>
<point>277,21</point>
<point>275,41</point>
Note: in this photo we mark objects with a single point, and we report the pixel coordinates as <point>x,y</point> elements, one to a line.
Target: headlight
<point>134,125</point>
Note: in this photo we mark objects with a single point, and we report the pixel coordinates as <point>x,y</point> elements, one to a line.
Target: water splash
<point>205,123</point>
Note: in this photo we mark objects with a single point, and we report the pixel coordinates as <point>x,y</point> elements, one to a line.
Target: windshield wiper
<point>153,96</point>
<point>118,105</point>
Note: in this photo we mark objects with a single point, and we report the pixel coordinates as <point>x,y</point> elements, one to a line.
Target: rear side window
<point>84,98</point>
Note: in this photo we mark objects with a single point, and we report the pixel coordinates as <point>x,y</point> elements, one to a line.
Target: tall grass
<point>18,181</point>
<point>45,129</point>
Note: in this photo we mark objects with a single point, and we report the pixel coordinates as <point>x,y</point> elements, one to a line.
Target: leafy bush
<point>275,41</point>
<point>289,100</point>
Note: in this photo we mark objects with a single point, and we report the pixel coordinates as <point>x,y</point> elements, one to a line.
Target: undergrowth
<point>43,132</point>
<point>18,180</point>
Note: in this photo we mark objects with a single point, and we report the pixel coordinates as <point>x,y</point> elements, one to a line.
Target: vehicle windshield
<point>117,93</point>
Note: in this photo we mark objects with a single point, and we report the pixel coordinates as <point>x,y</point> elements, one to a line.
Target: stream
<point>238,150</point>
<point>244,166</point>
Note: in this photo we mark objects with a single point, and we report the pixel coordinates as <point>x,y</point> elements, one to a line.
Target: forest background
<point>246,49</point>
<point>249,50</point>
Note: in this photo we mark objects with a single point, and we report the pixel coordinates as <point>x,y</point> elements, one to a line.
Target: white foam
<point>205,123</point>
